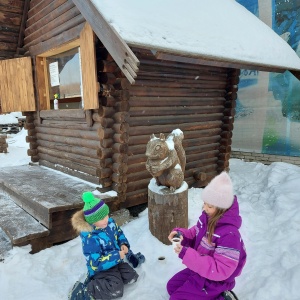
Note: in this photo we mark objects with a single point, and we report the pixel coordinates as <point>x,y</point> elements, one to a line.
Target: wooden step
<point>17,224</point>
<point>43,192</point>
<point>5,244</point>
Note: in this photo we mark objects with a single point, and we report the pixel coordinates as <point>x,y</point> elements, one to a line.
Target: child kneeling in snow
<point>104,246</point>
<point>212,250</point>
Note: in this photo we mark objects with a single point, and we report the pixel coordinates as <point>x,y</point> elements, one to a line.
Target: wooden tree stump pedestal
<point>166,210</point>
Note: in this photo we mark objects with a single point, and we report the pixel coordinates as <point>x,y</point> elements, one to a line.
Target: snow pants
<point>109,284</point>
<point>189,285</point>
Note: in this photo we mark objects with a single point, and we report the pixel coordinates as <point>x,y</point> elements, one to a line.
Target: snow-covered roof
<point>220,30</point>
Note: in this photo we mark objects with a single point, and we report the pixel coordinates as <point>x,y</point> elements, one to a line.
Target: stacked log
<point>3,143</point>
<point>113,133</point>
<point>65,140</point>
<point>31,136</point>
<point>228,119</point>
<point>169,95</point>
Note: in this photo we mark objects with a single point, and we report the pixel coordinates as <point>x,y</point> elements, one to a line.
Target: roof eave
<point>186,57</point>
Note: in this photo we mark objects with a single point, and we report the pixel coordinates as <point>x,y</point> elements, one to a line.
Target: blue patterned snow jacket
<point>100,246</point>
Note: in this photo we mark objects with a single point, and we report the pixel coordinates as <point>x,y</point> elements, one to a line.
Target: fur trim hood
<point>79,223</point>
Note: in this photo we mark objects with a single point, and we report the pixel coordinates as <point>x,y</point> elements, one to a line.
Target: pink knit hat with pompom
<point>219,192</point>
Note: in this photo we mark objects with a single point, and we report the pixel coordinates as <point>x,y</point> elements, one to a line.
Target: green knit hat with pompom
<point>94,209</point>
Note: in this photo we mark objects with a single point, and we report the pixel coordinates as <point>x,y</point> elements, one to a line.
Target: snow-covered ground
<point>269,205</point>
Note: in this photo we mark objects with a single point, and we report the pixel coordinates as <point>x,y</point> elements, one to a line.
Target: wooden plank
<point>8,46</point>
<point>119,50</point>
<point>49,24</point>
<point>3,83</point>
<point>74,173</point>
<point>6,54</point>
<point>56,31</point>
<point>50,12</point>
<point>34,3</point>
<point>173,101</point>
<point>8,37</point>
<point>12,29</point>
<point>173,119</point>
<point>63,114</point>
<point>37,6</point>
<point>26,96</point>
<point>174,110</point>
<point>16,82</point>
<point>93,171</point>
<point>8,18</point>
<point>91,153</point>
<point>18,224</point>
<point>12,6</point>
<point>84,134</point>
<point>83,160</point>
<point>41,84</point>
<point>58,41</point>
<point>88,68</point>
<point>45,11</point>
<point>92,144</point>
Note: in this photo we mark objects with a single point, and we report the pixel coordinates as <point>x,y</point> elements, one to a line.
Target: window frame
<point>89,84</point>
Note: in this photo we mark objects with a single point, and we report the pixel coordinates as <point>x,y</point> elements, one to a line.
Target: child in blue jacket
<point>104,246</point>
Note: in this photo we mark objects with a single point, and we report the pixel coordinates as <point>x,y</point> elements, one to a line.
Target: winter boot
<point>229,295</point>
<point>79,292</point>
<point>76,291</point>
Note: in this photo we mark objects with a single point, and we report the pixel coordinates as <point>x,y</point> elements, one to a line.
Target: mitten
<point>140,257</point>
<point>132,259</point>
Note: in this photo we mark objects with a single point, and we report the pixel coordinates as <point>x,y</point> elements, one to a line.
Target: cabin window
<point>68,73</point>
<point>64,73</point>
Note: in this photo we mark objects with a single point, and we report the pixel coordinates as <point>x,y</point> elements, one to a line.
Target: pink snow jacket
<point>226,257</point>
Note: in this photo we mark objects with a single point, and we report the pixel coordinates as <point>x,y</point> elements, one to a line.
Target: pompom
<point>88,197</point>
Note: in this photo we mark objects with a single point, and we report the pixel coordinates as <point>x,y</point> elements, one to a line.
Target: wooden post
<point>3,143</point>
<point>166,210</point>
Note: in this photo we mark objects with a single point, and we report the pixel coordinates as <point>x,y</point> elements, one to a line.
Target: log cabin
<point>115,87</point>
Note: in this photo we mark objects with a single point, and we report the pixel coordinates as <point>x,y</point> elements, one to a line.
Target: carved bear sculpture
<point>166,159</point>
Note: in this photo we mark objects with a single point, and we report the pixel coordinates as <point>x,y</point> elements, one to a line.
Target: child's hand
<point>177,249</point>
<point>172,235</point>
<point>122,254</point>
<point>124,248</point>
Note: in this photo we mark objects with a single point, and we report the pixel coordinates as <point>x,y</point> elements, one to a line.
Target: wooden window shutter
<point>16,85</point>
<point>88,68</point>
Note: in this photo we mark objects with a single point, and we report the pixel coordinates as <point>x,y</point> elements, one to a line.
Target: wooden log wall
<point>49,19</point>
<point>11,27</point>
<point>196,99</point>
<point>65,140</point>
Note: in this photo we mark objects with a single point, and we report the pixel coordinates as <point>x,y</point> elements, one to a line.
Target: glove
<point>135,259</point>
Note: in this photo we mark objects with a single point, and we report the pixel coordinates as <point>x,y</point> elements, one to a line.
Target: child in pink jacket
<point>212,250</point>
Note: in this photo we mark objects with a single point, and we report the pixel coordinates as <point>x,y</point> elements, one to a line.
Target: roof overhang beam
<point>113,42</point>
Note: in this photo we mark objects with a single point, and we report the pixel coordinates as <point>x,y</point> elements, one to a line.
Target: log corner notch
<point>228,119</point>
<point>205,174</point>
<point>119,50</point>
